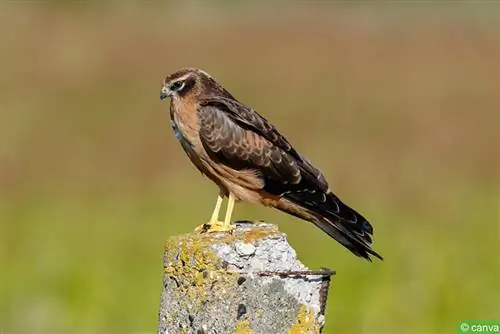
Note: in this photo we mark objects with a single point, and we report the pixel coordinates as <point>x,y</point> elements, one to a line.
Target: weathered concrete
<point>249,281</point>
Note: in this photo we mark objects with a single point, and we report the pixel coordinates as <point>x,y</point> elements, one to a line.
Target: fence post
<point>249,281</point>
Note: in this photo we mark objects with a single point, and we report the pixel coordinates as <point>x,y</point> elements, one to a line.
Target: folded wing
<point>238,137</point>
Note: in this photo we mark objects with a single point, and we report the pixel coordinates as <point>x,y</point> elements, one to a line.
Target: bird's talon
<point>200,228</point>
<point>212,227</point>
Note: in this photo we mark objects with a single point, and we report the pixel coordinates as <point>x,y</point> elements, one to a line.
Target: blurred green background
<point>397,104</point>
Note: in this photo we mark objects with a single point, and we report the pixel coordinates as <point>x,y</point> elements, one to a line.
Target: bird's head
<point>191,82</point>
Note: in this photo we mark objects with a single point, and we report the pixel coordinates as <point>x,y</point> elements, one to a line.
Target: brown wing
<point>254,135</point>
<point>238,137</point>
<point>228,143</point>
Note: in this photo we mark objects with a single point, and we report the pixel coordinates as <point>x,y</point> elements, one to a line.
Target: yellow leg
<point>214,225</point>
<point>215,214</point>
<point>229,210</point>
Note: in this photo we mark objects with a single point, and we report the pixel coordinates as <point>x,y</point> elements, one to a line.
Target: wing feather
<point>238,137</point>
<point>264,133</point>
<point>228,143</point>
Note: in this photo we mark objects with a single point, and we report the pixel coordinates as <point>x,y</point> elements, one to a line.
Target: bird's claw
<point>212,227</point>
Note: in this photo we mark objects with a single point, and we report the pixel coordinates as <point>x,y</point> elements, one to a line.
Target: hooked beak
<point>164,93</point>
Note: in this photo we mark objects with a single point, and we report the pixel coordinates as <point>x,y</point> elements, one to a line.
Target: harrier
<point>250,161</point>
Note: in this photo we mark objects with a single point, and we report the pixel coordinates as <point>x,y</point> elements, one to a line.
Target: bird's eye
<point>178,85</point>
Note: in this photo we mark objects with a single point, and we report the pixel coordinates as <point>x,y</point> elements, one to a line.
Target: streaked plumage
<point>249,159</point>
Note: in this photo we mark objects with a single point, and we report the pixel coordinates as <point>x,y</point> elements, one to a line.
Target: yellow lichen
<point>306,322</point>
<point>191,262</point>
<point>243,327</point>
<point>257,233</point>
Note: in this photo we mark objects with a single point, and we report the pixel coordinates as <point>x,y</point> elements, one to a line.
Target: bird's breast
<point>187,139</point>
<point>177,132</point>
<point>184,123</point>
<point>244,184</point>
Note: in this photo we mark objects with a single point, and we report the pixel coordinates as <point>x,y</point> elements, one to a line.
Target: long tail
<point>335,218</point>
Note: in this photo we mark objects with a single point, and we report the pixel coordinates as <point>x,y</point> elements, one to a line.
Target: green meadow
<point>398,105</point>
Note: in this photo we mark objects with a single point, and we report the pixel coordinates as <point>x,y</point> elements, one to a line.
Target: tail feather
<point>356,246</point>
<point>336,219</point>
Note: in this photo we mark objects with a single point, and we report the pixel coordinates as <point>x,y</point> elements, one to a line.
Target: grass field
<point>398,105</point>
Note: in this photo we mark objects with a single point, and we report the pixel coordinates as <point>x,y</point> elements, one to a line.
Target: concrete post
<point>249,281</point>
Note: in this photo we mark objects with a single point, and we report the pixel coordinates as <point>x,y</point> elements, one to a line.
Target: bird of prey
<point>250,161</point>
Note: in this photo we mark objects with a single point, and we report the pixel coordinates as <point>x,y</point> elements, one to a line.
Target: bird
<point>252,162</point>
